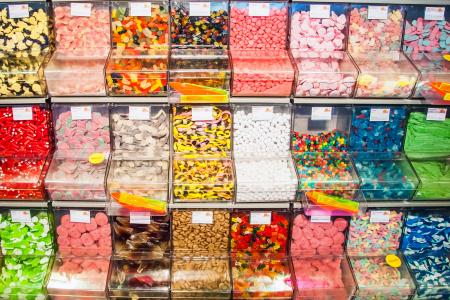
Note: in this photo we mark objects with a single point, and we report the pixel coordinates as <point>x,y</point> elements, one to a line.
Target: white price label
<point>380,114</point>
<point>380,216</point>
<point>202,217</point>
<point>260,218</point>
<point>81,112</point>
<point>80,216</point>
<point>140,9</point>
<point>80,9</point>
<point>262,112</point>
<point>434,13</point>
<point>256,9</point>
<point>17,11</point>
<point>436,114</point>
<point>140,217</point>
<point>22,113</point>
<point>320,219</point>
<point>319,11</point>
<point>321,113</point>
<point>139,112</point>
<point>378,12</point>
<point>202,113</point>
<point>21,216</point>
<point>199,9</point>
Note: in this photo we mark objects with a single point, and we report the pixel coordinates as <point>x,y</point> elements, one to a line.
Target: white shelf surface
<point>109,100</point>
<point>403,2</point>
<point>22,101</point>
<point>23,204</point>
<point>261,100</point>
<point>79,204</point>
<point>325,101</point>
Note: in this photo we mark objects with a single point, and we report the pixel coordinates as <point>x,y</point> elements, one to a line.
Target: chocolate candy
<point>433,175</point>
<point>258,26</point>
<point>199,24</point>
<point>377,129</point>
<point>19,236</point>
<point>133,27</point>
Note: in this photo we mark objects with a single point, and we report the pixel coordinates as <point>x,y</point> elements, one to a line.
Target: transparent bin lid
<point>319,203</point>
<point>433,173</point>
<point>268,64</point>
<point>78,277</point>
<point>22,173</point>
<point>143,279</point>
<point>63,63</point>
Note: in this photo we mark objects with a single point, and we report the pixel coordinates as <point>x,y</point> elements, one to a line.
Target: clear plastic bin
<point>384,75</point>
<point>140,131</point>
<point>258,276</point>
<point>426,29</point>
<point>75,175</point>
<point>140,26</point>
<point>386,176</point>
<point>76,75</point>
<point>199,76</point>
<point>434,174</point>
<point>319,27</point>
<point>199,24</point>
<point>200,278</point>
<point>78,278</point>
<point>322,277</point>
<point>141,279</point>
<point>376,279</point>
<point>324,74</point>
<point>321,128</point>
<point>322,205</point>
<point>133,72</point>
<point>138,185</point>
<point>262,73</point>
<point>83,232</point>
<point>250,23</point>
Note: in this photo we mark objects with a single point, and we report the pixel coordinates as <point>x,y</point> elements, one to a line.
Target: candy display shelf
<point>260,100</point>
<point>358,101</point>
<point>230,205</point>
<point>79,204</point>
<point>403,2</point>
<point>109,100</point>
<point>23,101</point>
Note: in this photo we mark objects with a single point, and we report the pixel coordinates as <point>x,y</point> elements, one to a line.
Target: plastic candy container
<point>26,28</point>
<point>83,233</point>
<point>140,25</point>
<point>318,27</point>
<point>261,25</point>
<point>384,75</point>
<point>426,29</point>
<point>199,24</point>
<point>78,277</point>
<point>378,279</point>
<point>324,74</point>
<point>320,129</point>
<point>199,76</point>
<point>385,176</point>
<point>320,235</point>
<point>375,28</point>
<point>433,174</point>
<point>259,231</point>
<point>261,277</point>
<point>132,72</point>
<point>24,277</point>
<point>26,232</point>
<point>375,232</point>
<point>142,279</point>
<point>322,277</point>
<point>262,73</point>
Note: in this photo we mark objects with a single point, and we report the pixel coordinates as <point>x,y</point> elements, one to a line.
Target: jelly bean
<point>433,174</point>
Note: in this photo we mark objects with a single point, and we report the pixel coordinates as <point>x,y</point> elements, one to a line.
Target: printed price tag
<point>199,9</point>
<point>140,9</point>
<point>21,216</point>
<point>22,113</point>
<point>321,113</point>
<point>139,217</point>
<point>202,113</point>
<point>320,219</point>
<point>80,9</point>
<point>262,112</point>
<point>378,12</point>
<point>436,114</point>
<point>256,9</point>
<point>17,11</point>
<point>202,217</point>
<point>260,218</point>
<point>80,216</point>
<point>139,113</point>
<point>434,13</point>
<point>380,216</point>
<point>317,11</point>
<point>81,112</point>
<point>379,114</point>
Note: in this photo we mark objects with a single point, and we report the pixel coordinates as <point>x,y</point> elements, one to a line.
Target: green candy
<point>434,176</point>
